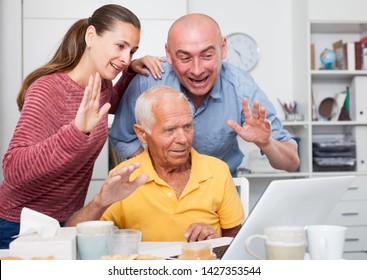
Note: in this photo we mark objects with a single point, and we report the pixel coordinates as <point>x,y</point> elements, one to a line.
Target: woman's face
<point>112,52</point>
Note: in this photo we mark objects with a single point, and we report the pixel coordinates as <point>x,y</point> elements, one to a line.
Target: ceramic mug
<point>325,242</point>
<point>94,239</point>
<point>281,243</point>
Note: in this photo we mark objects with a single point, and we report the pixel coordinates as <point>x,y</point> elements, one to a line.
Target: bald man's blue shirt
<point>212,135</point>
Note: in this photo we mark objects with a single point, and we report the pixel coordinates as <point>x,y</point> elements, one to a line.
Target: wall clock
<point>242,51</point>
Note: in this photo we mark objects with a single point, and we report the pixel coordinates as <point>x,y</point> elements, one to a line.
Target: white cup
<point>281,243</point>
<point>126,241</point>
<point>94,239</point>
<point>325,242</point>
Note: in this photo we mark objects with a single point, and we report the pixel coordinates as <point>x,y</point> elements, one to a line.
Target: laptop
<point>293,202</point>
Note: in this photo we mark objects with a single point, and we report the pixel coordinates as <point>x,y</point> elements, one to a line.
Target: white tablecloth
<point>161,249</point>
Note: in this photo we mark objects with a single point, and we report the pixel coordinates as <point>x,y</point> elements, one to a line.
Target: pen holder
<point>290,117</point>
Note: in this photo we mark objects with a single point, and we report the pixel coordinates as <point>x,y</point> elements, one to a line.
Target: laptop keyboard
<point>220,250</point>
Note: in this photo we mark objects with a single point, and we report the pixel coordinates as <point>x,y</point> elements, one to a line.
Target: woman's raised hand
<point>89,114</point>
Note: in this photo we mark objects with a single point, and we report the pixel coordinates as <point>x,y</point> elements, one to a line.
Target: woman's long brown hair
<point>73,44</point>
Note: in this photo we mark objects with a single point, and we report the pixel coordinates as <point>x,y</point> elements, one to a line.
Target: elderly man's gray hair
<point>149,99</point>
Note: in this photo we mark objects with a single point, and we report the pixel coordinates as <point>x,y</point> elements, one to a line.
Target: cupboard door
<point>361,148</point>
<point>355,239</point>
<point>349,213</point>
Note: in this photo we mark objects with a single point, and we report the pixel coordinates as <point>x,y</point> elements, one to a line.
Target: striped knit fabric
<point>49,162</point>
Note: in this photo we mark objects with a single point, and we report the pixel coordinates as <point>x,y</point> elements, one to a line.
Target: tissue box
<point>61,247</point>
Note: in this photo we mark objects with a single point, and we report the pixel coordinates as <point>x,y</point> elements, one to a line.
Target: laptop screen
<point>291,202</point>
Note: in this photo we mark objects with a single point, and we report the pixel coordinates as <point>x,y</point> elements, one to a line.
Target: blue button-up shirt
<point>212,135</point>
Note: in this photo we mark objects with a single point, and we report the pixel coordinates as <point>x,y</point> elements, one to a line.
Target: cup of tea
<point>325,242</point>
<point>281,243</point>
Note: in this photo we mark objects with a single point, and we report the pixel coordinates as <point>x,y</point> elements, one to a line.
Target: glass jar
<point>197,251</point>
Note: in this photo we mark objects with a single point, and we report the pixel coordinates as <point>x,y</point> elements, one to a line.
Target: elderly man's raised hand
<point>117,186</point>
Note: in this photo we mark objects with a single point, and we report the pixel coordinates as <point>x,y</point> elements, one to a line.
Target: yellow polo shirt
<point>209,197</point>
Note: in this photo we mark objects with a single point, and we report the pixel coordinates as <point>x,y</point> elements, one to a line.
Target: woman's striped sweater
<point>49,162</point>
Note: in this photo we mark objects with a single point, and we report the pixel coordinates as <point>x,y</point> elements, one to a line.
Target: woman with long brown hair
<point>64,117</point>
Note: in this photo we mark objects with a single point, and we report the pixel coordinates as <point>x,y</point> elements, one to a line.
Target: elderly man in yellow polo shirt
<point>186,195</point>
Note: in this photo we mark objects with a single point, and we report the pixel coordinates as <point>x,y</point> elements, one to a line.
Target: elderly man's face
<point>171,135</point>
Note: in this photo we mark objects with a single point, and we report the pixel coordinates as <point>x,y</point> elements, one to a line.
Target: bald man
<point>225,100</point>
